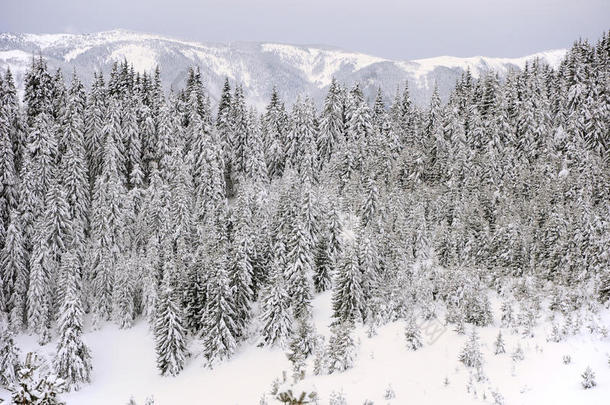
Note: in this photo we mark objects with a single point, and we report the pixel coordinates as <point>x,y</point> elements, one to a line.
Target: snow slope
<point>294,69</point>
<point>124,366</point>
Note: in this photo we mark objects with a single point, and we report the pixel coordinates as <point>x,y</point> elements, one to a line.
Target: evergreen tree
<point>588,379</point>
<point>39,292</point>
<point>341,348</point>
<point>499,344</point>
<point>240,132</point>
<point>241,270</point>
<point>12,114</point>
<point>107,222</point>
<point>73,359</point>
<point>73,166</point>
<point>323,266</point>
<point>275,315</point>
<point>9,356</point>
<point>43,155</point>
<point>208,172</point>
<point>348,298</point>
<point>299,268</point>
<point>302,343</point>
<point>170,333</point>
<point>94,126</point>
<point>256,168</point>
<point>56,220</point>
<point>219,324</point>
<point>14,276</point>
<point>274,135</point>
<point>123,291</point>
<point>332,129</point>
<point>301,153</point>
<point>38,91</point>
<point>412,334</point>
<point>471,354</point>
<point>8,173</point>
<point>225,134</point>
<point>149,279</point>
<point>34,385</point>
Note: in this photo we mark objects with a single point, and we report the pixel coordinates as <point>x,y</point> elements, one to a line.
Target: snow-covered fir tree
<point>341,347</point>
<point>170,332</point>
<point>9,355</point>
<point>219,323</point>
<point>471,354</point>
<point>36,386</point>
<point>276,315</point>
<point>412,333</point>
<point>499,344</point>
<point>107,222</point>
<point>73,361</point>
<point>348,299</point>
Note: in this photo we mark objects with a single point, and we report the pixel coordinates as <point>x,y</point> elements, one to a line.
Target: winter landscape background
<point>266,223</point>
<point>293,69</point>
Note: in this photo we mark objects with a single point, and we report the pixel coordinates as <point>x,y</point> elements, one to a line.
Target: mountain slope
<point>294,69</point>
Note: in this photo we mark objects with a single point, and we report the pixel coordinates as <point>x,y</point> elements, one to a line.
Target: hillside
<point>294,69</point>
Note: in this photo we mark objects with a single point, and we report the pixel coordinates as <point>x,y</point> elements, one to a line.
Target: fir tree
<point>123,291</point>
<point>341,348</point>
<point>9,356</point>
<point>275,314</point>
<point>256,168</point>
<point>323,266</point>
<point>94,126</point>
<point>170,333</point>
<point>34,386</point>
<point>274,135</point>
<point>107,222</point>
<point>303,341</point>
<point>8,173</point>
<point>588,379</point>
<point>38,90</point>
<point>471,353</point>
<point>241,271</point>
<point>412,334</point>
<point>149,279</point>
<point>13,115</point>
<point>219,325</point>
<point>499,344</point>
<point>348,298</point>
<point>73,359</point>
<point>73,166</point>
<point>299,268</point>
<point>195,297</point>
<point>14,276</point>
<point>39,294</point>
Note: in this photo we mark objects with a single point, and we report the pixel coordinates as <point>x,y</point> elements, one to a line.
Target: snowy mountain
<point>294,69</point>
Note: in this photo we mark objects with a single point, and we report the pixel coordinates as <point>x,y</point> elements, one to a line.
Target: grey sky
<point>389,28</point>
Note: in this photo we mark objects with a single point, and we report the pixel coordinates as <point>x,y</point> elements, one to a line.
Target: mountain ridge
<point>293,69</point>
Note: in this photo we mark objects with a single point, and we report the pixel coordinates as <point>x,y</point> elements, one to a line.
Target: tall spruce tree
<point>107,223</point>
<point>219,323</point>
<point>170,333</point>
<point>14,276</point>
<point>275,315</point>
<point>73,359</point>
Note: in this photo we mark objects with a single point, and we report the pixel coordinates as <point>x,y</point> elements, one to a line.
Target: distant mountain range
<point>293,69</point>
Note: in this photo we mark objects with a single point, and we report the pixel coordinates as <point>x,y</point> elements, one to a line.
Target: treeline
<point>123,202</point>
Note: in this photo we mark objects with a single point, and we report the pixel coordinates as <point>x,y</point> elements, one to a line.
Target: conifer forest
<point>221,231</point>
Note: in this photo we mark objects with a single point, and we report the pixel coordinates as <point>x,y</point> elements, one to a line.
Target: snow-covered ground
<point>124,366</point>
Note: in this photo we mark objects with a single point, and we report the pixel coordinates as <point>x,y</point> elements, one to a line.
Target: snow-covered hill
<point>124,366</point>
<point>294,69</point>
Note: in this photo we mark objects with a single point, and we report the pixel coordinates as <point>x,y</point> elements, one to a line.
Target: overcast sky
<point>396,29</point>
